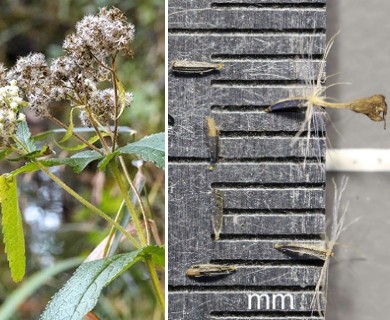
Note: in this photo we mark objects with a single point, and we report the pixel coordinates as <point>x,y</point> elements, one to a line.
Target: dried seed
<point>209,270</point>
<point>374,107</point>
<point>217,218</point>
<point>304,249</point>
<point>213,134</point>
<point>336,227</point>
<point>199,67</point>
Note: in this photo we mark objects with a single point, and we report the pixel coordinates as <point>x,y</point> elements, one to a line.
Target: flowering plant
<point>86,78</point>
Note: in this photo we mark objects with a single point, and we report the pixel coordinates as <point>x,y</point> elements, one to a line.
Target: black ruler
<point>260,191</point>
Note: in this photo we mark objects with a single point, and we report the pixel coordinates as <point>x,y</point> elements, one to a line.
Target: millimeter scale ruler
<point>237,191</point>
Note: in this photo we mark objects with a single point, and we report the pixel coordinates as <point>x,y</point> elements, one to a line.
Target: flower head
<point>33,76</point>
<point>100,36</point>
<point>10,105</point>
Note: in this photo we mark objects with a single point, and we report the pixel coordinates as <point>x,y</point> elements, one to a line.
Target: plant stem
<point>118,217</point>
<point>116,120</point>
<point>86,203</point>
<point>129,204</point>
<point>64,126</point>
<point>155,281</point>
<point>95,126</point>
<point>149,263</point>
<point>138,196</point>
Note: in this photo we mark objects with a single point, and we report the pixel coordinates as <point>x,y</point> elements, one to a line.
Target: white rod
<point>358,160</point>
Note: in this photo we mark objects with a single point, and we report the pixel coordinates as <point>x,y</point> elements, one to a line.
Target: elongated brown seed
<point>210,270</point>
<point>199,67</point>
<point>304,249</point>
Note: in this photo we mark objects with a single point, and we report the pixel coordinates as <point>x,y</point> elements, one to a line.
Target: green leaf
<point>81,292</point>
<point>80,160</point>
<point>45,134</point>
<point>157,254</point>
<point>45,151</point>
<point>4,153</point>
<point>29,167</point>
<point>11,305</point>
<point>24,136</point>
<point>78,163</point>
<point>106,160</point>
<point>150,148</point>
<point>12,227</point>
<point>122,97</point>
<point>69,131</point>
<point>91,140</point>
<point>32,166</point>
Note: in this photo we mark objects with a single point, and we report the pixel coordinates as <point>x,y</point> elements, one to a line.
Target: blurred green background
<point>56,226</point>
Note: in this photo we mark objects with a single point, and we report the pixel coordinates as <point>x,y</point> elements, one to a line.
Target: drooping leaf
<point>122,97</point>
<point>81,146</point>
<point>12,227</point>
<point>70,129</point>
<point>10,306</point>
<point>150,148</point>
<point>81,292</point>
<point>45,134</point>
<point>24,136</point>
<point>80,160</point>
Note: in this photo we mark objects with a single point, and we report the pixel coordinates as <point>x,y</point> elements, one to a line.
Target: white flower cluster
<point>10,105</point>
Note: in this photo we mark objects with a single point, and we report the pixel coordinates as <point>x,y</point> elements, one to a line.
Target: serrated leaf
<point>81,292</point>
<point>80,160</point>
<point>24,136</point>
<point>150,148</point>
<point>12,227</point>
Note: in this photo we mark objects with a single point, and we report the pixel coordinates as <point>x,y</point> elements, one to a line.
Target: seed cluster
<point>78,76</point>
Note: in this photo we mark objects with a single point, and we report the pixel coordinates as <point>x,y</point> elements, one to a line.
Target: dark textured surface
<point>269,195</point>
